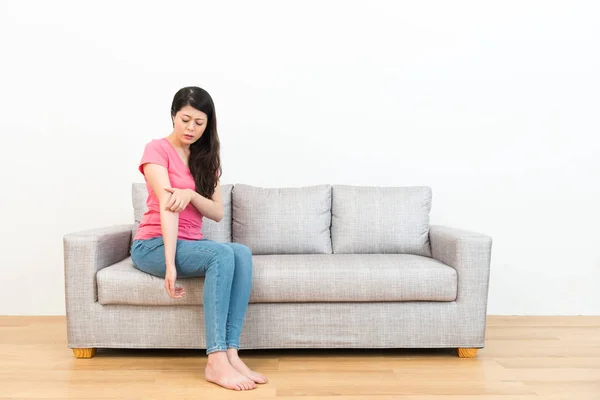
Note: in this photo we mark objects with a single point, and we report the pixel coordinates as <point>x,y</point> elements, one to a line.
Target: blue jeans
<point>227,268</point>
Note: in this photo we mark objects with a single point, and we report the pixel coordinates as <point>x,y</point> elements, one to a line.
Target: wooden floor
<point>525,358</point>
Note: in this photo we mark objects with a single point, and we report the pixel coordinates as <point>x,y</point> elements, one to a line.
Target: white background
<point>494,105</point>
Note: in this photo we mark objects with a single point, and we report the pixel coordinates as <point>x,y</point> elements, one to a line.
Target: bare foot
<point>238,364</point>
<point>220,371</point>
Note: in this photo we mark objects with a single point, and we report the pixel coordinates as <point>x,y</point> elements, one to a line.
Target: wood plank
<point>530,321</point>
<point>524,358</point>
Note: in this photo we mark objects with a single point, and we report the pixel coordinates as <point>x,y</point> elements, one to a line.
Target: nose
<point>190,126</point>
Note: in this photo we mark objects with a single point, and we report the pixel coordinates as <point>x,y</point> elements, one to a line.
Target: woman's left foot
<point>238,364</point>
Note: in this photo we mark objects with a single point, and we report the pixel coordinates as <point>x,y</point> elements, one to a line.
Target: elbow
<point>218,215</point>
<point>163,208</point>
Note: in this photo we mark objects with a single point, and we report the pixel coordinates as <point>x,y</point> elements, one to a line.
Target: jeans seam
<point>216,348</point>
<point>233,342</point>
<point>228,323</point>
<point>216,314</point>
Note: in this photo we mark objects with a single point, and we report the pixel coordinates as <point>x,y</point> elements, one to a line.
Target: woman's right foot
<point>220,371</point>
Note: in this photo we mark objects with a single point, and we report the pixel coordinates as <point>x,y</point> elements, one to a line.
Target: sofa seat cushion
<point>299,278</point>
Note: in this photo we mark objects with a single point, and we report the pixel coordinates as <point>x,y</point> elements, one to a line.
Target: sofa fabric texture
<point>333,266</point>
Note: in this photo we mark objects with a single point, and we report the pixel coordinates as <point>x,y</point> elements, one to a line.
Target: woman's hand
<point>179,200</point>
<point>175,292</point>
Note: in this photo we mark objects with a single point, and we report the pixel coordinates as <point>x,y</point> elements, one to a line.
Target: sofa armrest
<point>87,252</point>
<point>469,253</point>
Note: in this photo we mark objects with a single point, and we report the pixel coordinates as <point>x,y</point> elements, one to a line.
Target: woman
<point>182,174</point>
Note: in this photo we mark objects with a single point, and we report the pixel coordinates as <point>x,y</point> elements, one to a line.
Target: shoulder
<point>155,152</point>
<point>156,144</point>
<point>157,147</point>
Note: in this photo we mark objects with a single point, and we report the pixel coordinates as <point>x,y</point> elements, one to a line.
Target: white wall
<point>493,104</point>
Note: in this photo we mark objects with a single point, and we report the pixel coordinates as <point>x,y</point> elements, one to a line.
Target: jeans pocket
<point>149,244</point>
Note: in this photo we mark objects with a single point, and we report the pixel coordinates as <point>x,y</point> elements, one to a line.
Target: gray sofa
<point>334,266</point>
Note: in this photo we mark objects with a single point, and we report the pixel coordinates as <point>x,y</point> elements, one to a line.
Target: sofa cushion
<point>217,231</point>
<point>299,278</point>
<point>380,220</point>
<point>282,220</point>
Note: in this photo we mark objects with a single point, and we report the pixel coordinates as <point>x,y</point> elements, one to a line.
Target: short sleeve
<point>154,153</point>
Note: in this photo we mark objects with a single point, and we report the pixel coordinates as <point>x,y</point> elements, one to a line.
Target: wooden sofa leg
<point>467,353</point>
<point>84,353</point>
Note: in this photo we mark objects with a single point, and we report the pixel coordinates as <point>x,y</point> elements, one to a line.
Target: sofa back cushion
<point>381,220</point>
<point>217,231</point>
<point>282,220</point>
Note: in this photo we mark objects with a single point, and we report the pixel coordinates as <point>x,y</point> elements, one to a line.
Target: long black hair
<point>205,159</point>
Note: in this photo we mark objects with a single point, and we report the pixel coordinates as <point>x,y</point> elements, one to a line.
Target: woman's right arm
<point>158,178</point>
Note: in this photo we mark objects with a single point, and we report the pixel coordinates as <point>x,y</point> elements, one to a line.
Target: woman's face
<point>189,124</point>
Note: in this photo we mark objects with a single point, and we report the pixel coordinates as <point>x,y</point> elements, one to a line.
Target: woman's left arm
<point>210,208</point>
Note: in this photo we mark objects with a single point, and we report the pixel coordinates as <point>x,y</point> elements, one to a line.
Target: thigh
<point>148,255</point>
<point>193,257</point>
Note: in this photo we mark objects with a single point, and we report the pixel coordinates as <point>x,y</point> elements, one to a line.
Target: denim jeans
<point>227,268</point>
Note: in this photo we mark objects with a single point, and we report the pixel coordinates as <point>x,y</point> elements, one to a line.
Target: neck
<point>177,143</point>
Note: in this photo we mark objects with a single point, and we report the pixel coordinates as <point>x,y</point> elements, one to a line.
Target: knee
<point>225,257</point>
<point>243,259</point>
<point>242,251</point>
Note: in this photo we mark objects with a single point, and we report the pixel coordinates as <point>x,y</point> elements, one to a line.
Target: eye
<point>198,123</point>
<point>185,120</point>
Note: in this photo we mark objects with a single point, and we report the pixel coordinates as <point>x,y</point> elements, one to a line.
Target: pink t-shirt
<point>160,151</point>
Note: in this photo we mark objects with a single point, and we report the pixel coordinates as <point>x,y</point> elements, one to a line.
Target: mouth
<point>188,137</point>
